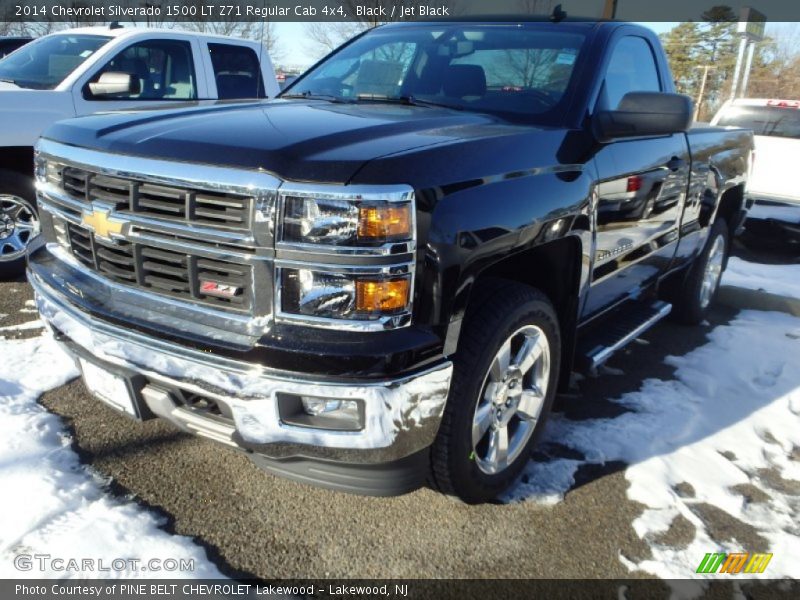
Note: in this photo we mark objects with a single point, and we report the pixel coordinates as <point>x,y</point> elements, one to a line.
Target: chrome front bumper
<point>401,417</point>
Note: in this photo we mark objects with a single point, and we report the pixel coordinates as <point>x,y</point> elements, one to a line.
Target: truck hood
<point>295,139</point>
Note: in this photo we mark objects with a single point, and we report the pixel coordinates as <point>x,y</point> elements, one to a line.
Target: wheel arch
<point>731,207</point>
<point>554,268</point>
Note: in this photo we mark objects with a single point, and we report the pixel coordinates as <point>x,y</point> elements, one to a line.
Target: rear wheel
<point>19,222</point>
<point>504,382</point>
<point>693,300</point>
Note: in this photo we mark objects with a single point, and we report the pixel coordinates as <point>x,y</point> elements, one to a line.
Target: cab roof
<point>123,32</point>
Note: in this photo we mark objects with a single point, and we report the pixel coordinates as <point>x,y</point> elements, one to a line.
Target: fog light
<point>328,406</point>
<point>321,413</point>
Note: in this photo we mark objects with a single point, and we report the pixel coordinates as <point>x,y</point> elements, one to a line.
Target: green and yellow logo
<point>734,563</point>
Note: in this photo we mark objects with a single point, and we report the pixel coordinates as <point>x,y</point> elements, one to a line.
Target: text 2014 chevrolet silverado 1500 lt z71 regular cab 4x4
<point>387,273</point>
<point>82,71</point>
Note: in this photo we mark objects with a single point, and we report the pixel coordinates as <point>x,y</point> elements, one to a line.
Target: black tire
<point>499,308</point>
<point>688,304</point>
<point>19,187</point>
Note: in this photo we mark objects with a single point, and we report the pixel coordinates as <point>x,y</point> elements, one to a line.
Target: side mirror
<point>644,114</point>
<point>112,83</point>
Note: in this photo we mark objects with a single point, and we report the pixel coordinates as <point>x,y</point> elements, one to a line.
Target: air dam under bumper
<point>388,456</point>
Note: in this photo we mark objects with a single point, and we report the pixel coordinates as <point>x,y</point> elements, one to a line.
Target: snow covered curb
<point>747,285</point>
<point>52,505</point>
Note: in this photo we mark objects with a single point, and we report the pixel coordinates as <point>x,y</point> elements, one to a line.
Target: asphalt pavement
<point>255,524</point>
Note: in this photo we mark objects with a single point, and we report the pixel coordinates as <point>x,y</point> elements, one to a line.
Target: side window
<point>164,69</point>
<point>632,68</point>
<point>237,71</point>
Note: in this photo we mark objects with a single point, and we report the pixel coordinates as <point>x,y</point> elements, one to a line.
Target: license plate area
<point>115,387</point>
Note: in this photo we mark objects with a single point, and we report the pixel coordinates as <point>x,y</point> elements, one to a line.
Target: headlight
<point>322,294</point>
<point>47,170</point>
<point>345,256</point>
<point>345,222</point>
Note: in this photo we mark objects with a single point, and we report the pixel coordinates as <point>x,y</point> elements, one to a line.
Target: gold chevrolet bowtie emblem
<point>101,222</point>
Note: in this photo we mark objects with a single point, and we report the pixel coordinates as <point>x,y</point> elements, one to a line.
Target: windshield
<point>46,62</point>
<point>764,120</point>
<point>507,70</point>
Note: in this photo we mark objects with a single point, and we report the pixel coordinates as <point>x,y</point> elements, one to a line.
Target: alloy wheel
<point>713,271</point>
<point>512,399</point>
<point>18,226</point>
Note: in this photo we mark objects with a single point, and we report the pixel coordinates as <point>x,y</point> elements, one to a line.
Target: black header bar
<point>378,11</point>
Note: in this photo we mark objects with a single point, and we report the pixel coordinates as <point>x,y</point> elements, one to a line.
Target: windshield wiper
<point>313,96</point>
<point>407,100</point>
<point>7,80</point>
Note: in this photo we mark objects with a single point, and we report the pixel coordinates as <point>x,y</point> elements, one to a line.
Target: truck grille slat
<point>164,269</point>
<point>74,182</point>
<point>117,259</point>
<point>82,243</point>
<point>160,207</point>
<point>165,283</point>
<point>116,272</point>
<point>161,271</point>
<point>113,190</point>
<point>220,216</point>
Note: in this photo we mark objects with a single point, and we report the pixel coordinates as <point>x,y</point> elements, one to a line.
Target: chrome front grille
<point>184,204</point>
<point>175,274</point>
<point>198,234</point>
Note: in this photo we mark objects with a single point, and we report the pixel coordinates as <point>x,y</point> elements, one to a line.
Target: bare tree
<point>328,36</point>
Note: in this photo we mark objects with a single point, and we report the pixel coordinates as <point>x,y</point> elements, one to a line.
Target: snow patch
<point>783,280</point>
<point>53,505</point>
<point>731,416</point>
<point>24,326</point>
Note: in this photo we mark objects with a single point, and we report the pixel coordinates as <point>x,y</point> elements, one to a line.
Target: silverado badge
<point>99,220</point>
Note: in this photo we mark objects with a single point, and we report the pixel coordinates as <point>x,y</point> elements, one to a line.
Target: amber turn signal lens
<point>384,222</point>
<point>381,296</point>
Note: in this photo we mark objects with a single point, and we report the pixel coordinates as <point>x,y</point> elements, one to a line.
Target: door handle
<point>675,163</point>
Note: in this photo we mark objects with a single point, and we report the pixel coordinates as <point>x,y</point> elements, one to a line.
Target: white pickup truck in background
<point>773,190</point>
<point>82,71</point>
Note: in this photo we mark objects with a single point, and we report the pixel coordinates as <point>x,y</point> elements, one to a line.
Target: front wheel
<point>504,382</point>
<point>19,222</point>
<point>691,303</point>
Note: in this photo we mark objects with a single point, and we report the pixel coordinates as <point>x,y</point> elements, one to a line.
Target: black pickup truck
<point>385,275</point>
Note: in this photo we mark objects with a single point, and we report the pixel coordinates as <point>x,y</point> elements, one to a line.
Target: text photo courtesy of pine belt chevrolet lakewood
<point>384,275</point>
<point>91,69</point>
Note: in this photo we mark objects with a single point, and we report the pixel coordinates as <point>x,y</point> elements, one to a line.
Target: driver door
<point>641,189</point>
